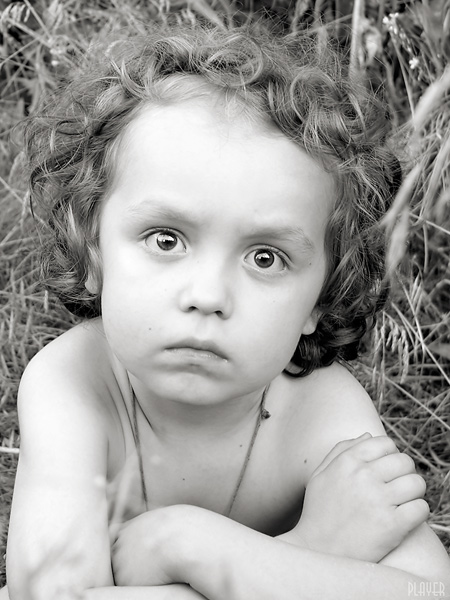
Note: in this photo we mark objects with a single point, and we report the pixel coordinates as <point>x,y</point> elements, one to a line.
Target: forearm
<point>246,564</point>
<point>267,569</point>
<point>159,592</point>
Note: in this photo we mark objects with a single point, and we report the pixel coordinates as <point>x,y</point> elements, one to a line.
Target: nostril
<point>206,297</point>
<point>219,313</point>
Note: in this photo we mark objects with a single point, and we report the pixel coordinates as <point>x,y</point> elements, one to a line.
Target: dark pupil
<point>264,259</point>
<point>166,241</point>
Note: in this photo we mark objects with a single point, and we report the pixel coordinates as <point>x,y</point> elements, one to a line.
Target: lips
<point>200,348</point>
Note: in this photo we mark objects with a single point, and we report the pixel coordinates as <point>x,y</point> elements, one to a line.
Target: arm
<point>223,559</point>
<point>256,566</point>
<point>247,564</point>
<point>361,503</point>
<point>216,555</point>
<point>58,543</point>
<point>58,529</point>
<point>163,592</point>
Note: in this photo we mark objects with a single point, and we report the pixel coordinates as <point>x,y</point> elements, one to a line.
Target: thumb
<point>338,449</point>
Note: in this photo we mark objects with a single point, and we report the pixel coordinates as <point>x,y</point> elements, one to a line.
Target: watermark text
<point>426,589</point>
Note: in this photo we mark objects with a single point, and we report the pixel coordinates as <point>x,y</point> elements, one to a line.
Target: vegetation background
<point>399,48</point>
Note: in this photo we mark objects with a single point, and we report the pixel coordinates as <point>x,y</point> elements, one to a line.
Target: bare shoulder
<point>328,406</point>
<point>73,371</point>
<point>332,400</point>
<point>80,352</point>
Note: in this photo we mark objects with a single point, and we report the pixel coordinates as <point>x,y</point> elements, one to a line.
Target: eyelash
<point>168,232</point>
<point>269,250</point>
<point>259,250</point>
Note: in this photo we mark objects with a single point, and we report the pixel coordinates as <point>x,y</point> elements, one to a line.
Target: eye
<point>165,241</point>
<point>266,259</point>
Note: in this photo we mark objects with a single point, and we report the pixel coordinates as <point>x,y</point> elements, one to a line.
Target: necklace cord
<point>263,414</point>
<point>139,449</point>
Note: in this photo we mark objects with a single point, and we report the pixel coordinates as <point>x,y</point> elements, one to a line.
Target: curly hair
<point>302,88</point>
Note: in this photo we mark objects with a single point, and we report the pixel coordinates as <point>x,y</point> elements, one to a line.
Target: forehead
<point>196,153</point>
<point>215,114</point>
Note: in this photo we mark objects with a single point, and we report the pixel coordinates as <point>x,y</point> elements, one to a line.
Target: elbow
<point>27,583</point>
<point>49,580</point>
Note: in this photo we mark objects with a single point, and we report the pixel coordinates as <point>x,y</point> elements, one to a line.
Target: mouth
<point>198,349</point>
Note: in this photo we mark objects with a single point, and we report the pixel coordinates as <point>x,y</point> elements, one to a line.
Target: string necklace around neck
<point>262,415</point>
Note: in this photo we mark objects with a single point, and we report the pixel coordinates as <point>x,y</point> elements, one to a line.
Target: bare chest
<point>264,490</point>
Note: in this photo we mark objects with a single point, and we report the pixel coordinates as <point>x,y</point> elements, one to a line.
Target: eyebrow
<point>285,233</point>
<point>160,211</point>
<point>276,231</point>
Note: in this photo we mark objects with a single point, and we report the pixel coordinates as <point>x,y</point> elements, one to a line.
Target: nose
<point>207,289</point>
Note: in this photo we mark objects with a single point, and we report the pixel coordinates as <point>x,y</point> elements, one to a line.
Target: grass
<point>400,45</point>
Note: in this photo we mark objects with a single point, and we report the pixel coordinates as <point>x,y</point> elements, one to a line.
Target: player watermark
<point>426,589</point>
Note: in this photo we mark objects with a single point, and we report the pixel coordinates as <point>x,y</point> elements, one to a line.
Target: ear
<point>311,324</point>
<point>92,284</point>
<point>93,265</point>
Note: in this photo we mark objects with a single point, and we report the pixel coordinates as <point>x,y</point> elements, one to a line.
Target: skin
<point>210,286</point>
<point>207,285</point>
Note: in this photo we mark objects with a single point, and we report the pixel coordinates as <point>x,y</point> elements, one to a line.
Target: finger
<point>374,448</point>
<point>338,449</point>
<point>405,489</point>
<point>412,514</point>
<point>394,465</point>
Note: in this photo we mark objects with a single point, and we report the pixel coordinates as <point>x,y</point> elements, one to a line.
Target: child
<point>214,201</point>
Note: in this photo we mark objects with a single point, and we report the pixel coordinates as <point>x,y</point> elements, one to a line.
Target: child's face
<point>212,245</point>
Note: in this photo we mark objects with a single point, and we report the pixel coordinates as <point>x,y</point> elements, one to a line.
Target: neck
<point>171,418</point>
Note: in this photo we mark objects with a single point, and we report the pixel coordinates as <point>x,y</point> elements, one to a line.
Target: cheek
<point>121,311</point>
<point>275,331</point>
<point>291,313</point>
<point>132,309</point>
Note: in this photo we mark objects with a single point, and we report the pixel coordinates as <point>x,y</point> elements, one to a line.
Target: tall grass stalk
<point>400,48</point>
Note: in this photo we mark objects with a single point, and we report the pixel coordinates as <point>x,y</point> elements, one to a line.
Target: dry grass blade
<point>407,361</point>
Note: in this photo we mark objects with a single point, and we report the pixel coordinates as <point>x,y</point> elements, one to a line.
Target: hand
<point>362,501</point>
<point>143,553</point>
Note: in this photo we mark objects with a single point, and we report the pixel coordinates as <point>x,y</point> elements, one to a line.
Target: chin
<point>190,389</point>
